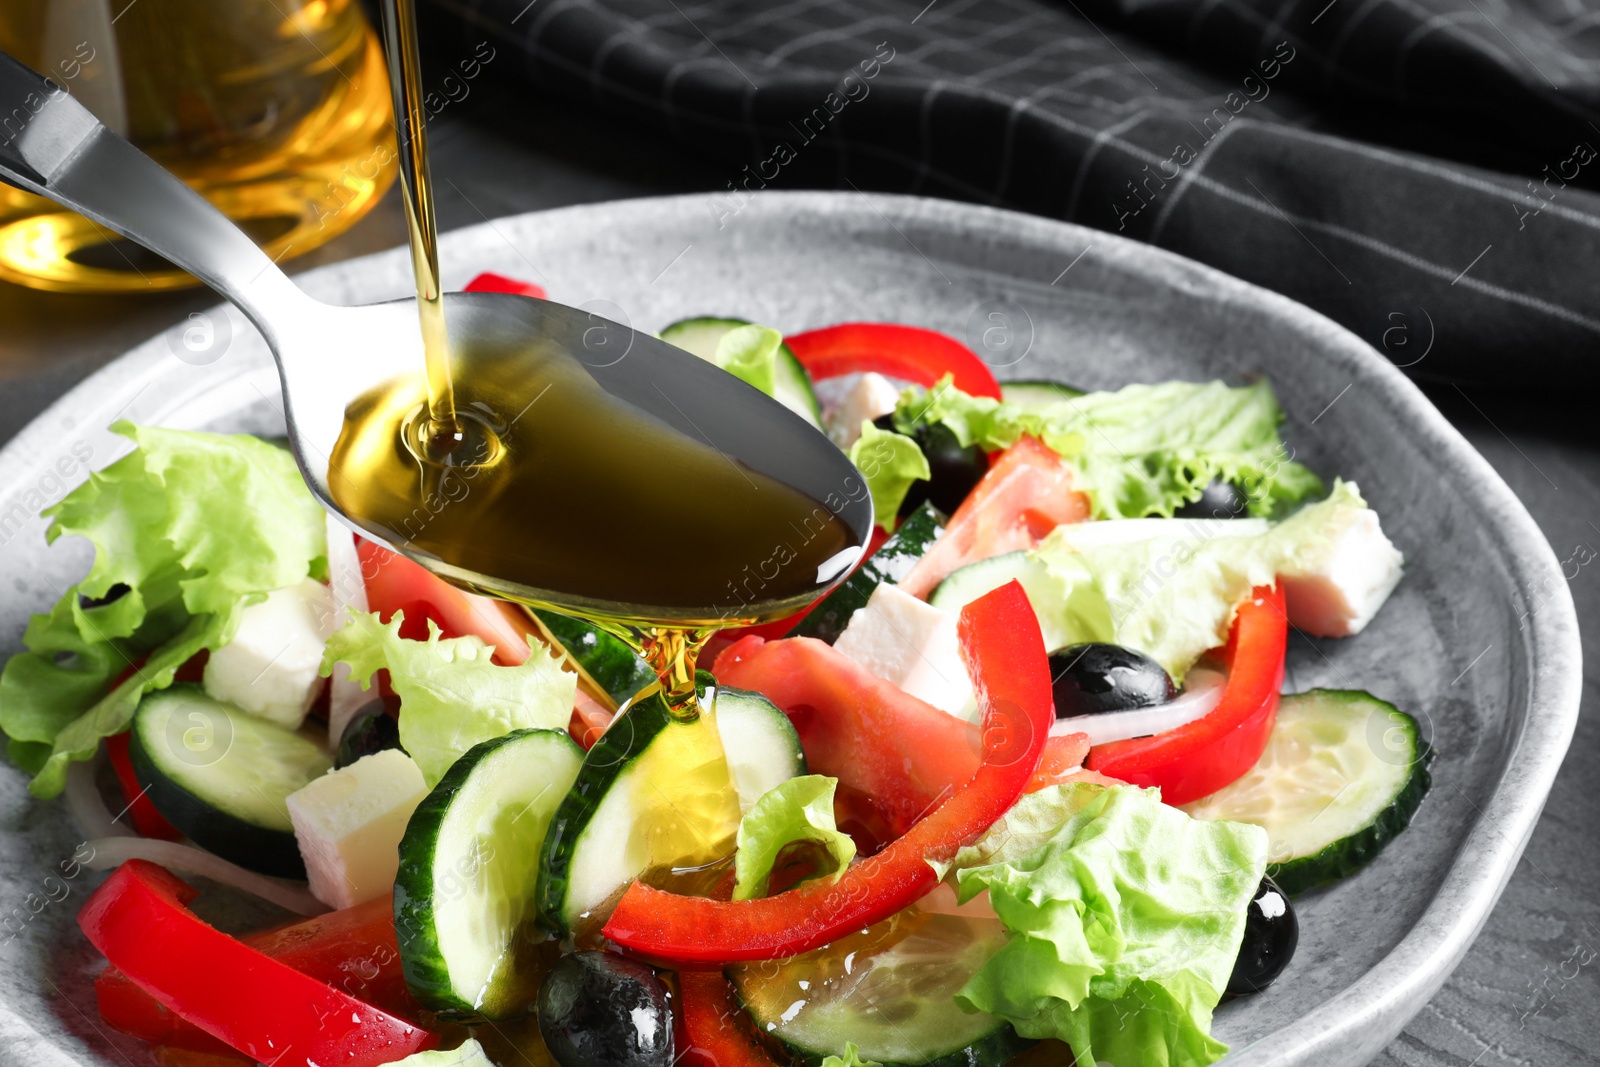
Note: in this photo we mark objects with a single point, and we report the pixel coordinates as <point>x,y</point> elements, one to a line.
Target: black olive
<point>371,730</point>
<point>1271,933</point>
<point>1092,678</point>
<point>1219,500</point>
<point>955,469</point>
<point>599,1009</point>
<point>116,592</point>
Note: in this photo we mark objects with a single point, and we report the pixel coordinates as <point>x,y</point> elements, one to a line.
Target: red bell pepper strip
<point>353,949</point>
<point>713,1031</point>
<point>1201,757</point>
<point>1004,652</point>
<point>260,1006</point>
<point>888,749</point>
<point>147,821</point>
<point>909,353</point>
<point>499,283</point>
<point>1026,493</point>
<point>130,1010</point>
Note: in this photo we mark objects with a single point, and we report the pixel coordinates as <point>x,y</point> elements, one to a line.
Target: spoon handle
<point>53,146</point>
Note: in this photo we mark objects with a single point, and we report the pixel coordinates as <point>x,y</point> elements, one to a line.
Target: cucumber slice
<point>221,776</point>
<point>610,664</point>
<point>793,389</point>
<point>1342,774</point>
<point>762,746</point>
<point>966,584</point>
<point>1037,393</point>
<point>654,795</point>
<point>893,560</point>
<point>468,863</point>
<point>890,989</point>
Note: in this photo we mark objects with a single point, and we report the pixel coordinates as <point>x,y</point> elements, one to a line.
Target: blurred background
<point>1420,171</point>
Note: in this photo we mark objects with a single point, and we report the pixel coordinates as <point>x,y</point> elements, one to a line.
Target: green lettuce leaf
<point>220,515</point>
<point>1143,449</point>
<point>800,809</point>
<point>1121,957</point>
<point>1154,448</point>
<point>750,353</point>
<point>193,526</point>
<point>851,1058</point>
<point>890,462</point>
<point>452,695</point>
<point>992,424</point>
<point>1173,596</point>
<point>78,733</point>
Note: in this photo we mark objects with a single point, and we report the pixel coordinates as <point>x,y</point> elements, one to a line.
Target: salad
<point>1023,785</point>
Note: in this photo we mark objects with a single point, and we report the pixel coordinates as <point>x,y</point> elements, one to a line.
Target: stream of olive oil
<point>511,461</point>
<point>440,429</point>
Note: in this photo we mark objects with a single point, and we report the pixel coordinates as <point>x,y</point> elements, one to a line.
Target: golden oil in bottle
<point>277,111</point>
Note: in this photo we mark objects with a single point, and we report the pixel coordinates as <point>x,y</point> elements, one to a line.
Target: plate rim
<point>1371,1011</point>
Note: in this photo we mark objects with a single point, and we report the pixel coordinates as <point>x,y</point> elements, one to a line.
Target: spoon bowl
<point>329,357</point>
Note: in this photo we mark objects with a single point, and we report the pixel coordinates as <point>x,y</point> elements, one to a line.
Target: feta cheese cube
<point>872,395</point>
<point>271,666</point>
<point>1339,584</point>
<point>914,645</point>
<point>349,822</point>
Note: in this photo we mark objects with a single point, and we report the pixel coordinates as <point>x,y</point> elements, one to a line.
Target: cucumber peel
<point>654,794</point>
<point>600,657</point>
<point>468,865</point>
<point>1342,774</point>
<point>894,558</point>
<point>222,776</point>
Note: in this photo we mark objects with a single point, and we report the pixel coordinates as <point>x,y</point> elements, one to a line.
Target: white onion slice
<point>87,805</point>
<point>345,697</point>
<point>1199,697</point>
<point>108,852</point>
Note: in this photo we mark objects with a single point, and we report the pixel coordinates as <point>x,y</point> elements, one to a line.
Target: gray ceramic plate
<point>1480,640</point>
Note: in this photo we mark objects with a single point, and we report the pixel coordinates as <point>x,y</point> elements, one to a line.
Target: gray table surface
<point>1528,993</point>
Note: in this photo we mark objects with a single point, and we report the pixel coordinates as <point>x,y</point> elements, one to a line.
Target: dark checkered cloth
<point>1415,169</point>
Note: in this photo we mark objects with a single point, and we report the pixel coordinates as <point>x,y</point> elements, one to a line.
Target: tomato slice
<point>395,583</point>
<point>888,749</point>
<point>1026,493</point>
<point>875,738</point>
<point>1201,757</point>
<point>909,353</point>
<point>499,283</point>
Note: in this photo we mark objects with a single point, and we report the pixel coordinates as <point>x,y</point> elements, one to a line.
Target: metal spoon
<point>329,356</point>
